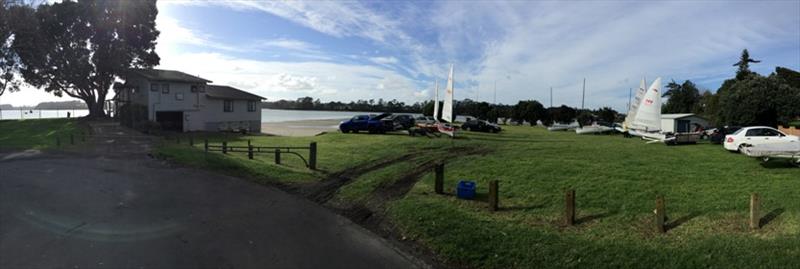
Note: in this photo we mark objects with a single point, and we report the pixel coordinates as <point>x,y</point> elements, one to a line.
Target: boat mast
<point>583,98</point>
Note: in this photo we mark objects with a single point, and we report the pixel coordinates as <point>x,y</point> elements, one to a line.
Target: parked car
<point>425,120</point>
<point>717,135</point>
<point>370,123</point>
<point>480,126</point>
<point>401,122</point>
<point>756,135</point>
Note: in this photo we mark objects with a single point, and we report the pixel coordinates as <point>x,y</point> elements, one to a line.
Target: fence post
<point>438,185</point>
<point>277,156</point>
<point>58,141</point>
<point>755,216</point>
<point>493,195</point>
<point>569,207</point>
<point>250,151</point>
<point>248,142</point>
<point>83,136</point>
<point>71,139</point>
<point>178,139</point>
<point>661,215</point>
<point>191,140</point>
<point>224,147</point>
<point>205,144</point>
<point>312,156</point>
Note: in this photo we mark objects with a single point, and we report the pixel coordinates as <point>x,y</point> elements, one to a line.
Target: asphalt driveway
<point>111,209</point>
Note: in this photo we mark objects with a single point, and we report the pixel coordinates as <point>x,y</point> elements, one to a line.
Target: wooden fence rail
<point>251,150</point>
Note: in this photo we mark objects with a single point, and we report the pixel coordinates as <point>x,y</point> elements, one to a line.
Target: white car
<point>756,135</point>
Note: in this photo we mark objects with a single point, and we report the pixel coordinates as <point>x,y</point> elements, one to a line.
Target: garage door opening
<point>170,120</point>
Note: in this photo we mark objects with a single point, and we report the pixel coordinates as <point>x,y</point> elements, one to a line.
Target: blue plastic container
<point>465,190</point>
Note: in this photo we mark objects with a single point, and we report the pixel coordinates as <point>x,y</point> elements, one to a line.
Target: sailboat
<point>644,120</point>
<point>633,107</point>
<point>595,127</point>
<point>447,109</point>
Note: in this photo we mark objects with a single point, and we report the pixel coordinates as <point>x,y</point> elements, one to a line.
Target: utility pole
<point>551,96</point>
<point>583,98</point>
<point>477,92</point>
<point>629,99</point>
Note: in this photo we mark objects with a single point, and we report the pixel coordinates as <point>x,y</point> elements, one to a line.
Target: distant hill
<point>61,105</point>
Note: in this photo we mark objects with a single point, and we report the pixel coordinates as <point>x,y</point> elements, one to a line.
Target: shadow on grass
<point>769,217</point>
<point>589,218</point>
<point>518,140</point>
<point>677,222</point>
<point>779,164</point>
<point>519,207</point>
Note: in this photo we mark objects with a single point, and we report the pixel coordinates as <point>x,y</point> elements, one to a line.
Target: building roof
<point>676,116</point>
<point>168,75</point>
<point>227,92</point>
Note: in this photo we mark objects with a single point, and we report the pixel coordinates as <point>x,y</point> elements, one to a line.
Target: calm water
<point>267,115</point>
<point>17,114</point>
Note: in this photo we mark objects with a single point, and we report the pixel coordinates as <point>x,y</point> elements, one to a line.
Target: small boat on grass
<point>563,126</point>
<point>786,150</point>
<point>593,129</point>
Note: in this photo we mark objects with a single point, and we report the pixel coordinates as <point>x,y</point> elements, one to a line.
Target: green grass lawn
<point>616,180</point>
<point>37,133</point>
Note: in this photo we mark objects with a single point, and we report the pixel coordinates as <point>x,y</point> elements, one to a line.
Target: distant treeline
<point>49,105</point>
<point>308,103</point>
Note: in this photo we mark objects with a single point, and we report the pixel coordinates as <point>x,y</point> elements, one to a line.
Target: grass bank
<point>616,181</point>
<point>37,133</point>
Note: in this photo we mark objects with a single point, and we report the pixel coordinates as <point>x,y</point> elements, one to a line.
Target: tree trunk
<point>95,108</point>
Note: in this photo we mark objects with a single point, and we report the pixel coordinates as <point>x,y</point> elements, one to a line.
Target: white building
<point>182,102</point>
<point>681,123</point>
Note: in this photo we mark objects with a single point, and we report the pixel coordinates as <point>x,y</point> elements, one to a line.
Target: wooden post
<point>569,207</point>
<point>58,141</point>
<point>493,195</point>
<point>438,185</point>
<point>755,214</point>
<point>224,147</point>
<point>205,144</point>
<point>191,140</point>
<point>312,156</point>
<point>661,215</point>
<point>71,139</point>
<point>249,151</point>
<point>248,142</point>
<point>277,156</point>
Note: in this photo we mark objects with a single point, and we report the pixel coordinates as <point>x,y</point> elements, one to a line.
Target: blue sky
<point>342,51</point>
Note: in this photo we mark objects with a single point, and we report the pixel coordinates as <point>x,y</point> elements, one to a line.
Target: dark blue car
<point>374,124</point>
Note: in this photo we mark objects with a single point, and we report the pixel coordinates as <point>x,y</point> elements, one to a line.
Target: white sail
<point>447,110</point>
<point>648,113</point>
<point>634,106</point>
<point>436,102</point>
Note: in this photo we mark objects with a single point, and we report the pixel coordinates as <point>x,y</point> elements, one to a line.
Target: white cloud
<point>384,60</point>
<point>290,44</point>
<point>289,80</point>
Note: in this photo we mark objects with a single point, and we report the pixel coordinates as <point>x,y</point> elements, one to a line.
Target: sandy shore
<point>300,128</point>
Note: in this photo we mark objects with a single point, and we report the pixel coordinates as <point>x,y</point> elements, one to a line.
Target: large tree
<point>683,98</point>
<point>81,48</point>
<point>9,67</point>
<point>744,65</point>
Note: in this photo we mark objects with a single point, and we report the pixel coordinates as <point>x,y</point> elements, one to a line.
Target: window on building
<point>165,88</point>
<point>227,106</point>
<point>251,106</point>
<point>179,96</point>
<point>197,88</point>
<point>153,87</point>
